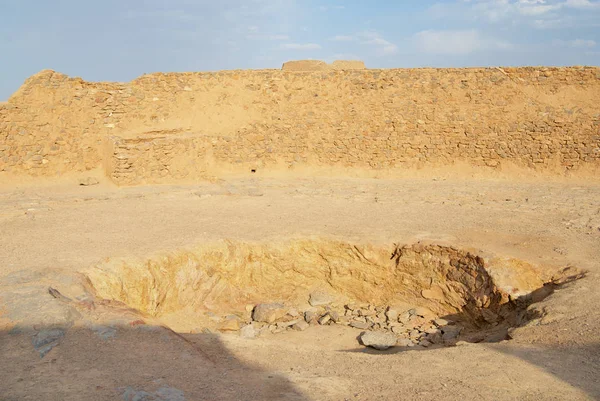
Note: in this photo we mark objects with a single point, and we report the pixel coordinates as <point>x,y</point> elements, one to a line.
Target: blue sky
<point>119,40</point>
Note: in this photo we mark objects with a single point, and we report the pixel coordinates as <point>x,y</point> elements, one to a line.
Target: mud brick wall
<point>171,126</point>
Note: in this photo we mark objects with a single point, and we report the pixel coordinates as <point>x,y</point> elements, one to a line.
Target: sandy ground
<point>50,232</point>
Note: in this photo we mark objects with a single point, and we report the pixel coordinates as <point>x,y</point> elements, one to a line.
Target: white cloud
<point>584,4</point>
<point>383,46</point>
<point>301,46</point>
<point>457,42</point>
<point>582,43</point>
<point>576,43</point>
<point>549,23</point>
<point>329,8</point>
<point>498,10</point>
<point>345,56</point>
<point>372,39</point>
<point>267,37</point>
<point>342,38</point>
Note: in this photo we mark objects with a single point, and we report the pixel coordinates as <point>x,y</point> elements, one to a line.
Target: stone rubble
<point>381,324</point>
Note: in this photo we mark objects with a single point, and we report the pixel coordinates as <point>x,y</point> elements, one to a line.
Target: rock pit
<point>424,295</point>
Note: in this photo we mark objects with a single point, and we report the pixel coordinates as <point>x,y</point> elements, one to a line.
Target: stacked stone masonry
<point>164,127</point>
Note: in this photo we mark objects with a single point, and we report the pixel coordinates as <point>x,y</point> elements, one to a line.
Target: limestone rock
<point>360,325</point>
<point>421,312</point>
<point>311,316</point>
<point>285,325</point>
<point>324,319</point>
<point>301,325</point>
<point>450,333</point>
<point>404,318</point>
<point>248,331</point>
<point>335,316</point>
<point>434,293</point>
<point>378,340</point>
<point>268,313</point>
<point>47,339</point>
<point>435,338</point>
<point>293,312</point>
<point>231,323</point>
<point>392,315</point>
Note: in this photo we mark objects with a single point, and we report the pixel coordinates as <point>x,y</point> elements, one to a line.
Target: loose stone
<point>268,313</point>
<point>301,325</point>
<point>324,319</point>
<point>378,340</point>
<point>360,325</point>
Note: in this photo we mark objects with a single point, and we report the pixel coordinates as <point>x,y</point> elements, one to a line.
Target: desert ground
<point>68,346</point>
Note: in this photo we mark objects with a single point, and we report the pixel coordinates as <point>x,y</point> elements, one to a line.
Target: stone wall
<point>163,127</point>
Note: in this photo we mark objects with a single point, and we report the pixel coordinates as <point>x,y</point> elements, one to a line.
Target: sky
<point>118,40</point>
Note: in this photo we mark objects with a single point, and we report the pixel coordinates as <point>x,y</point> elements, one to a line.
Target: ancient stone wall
<point>163,127</point>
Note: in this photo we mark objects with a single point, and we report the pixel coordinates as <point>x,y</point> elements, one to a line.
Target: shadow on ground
<point>141,363</point>
<point>560,362</point>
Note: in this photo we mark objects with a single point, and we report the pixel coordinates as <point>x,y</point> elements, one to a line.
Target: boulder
<point>268,313</point>
<point>378,340</point>
<point>450,333</point>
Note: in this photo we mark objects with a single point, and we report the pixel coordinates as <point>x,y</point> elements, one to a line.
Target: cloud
<point>329,8</point>
<point>576,43</point>
<point>178,14</point>
<point>457,42</point>
<point>267,37</point>
<point>345,56</point>
<point>515,10</point>
<point>549,23</point>
<point>342,38</point>
<point>372,39</point>
<point>583,4</point>
<point>301,46</point>
<point>383,46</point>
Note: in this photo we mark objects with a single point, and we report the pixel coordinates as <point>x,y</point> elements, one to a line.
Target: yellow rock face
<point>226,277</point>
